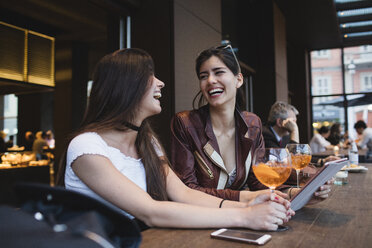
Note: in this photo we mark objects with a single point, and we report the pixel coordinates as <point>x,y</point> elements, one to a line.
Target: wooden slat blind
<point>26,55</point>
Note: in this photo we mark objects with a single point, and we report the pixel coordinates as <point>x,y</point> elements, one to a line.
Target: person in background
<point>2,141</point>
<point>366,135</point>
<point>213,145</point>
<point>50,139</point>
<point>39,145</point>
<point>29,140</point>
<point>281,128</point>
<point>116,157</point>
<point>336,138</point>
<point>10,142</point>
<point>319,143</point>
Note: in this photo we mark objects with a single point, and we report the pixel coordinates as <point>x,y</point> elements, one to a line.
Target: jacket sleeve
<point>183,162</point>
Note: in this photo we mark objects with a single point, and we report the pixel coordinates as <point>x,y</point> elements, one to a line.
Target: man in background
<point>366,135</point>
<point>281,128</point>
<point>29,140</point>
<point>10,142</point>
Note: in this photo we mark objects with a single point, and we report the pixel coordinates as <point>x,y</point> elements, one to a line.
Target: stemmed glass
<point>300,156</point>
<point>272,167</point>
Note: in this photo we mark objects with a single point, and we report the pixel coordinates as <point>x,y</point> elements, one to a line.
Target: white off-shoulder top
<point>91,143</point>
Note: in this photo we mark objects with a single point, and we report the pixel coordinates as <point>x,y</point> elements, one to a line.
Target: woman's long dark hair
<point>119,83</point>
<point>226,56</point>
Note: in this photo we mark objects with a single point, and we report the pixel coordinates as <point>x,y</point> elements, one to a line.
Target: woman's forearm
<point>199,198</point>
<point>173,214</point>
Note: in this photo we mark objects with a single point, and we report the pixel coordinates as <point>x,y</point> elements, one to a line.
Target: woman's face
<point>150,104</point>
<point>217,82</point>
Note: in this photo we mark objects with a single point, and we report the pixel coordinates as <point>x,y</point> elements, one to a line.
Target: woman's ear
<point>240,80</point>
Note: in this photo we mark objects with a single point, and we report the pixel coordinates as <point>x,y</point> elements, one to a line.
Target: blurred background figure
<point>39,144</point>
<point>336,138</point>
<point>50,139</point>
<point>2,141</point>
<point>335,134</point>
<point>365,133</point>
<point>10,142</point>
<point>29,140</point>
<point>319,142</point>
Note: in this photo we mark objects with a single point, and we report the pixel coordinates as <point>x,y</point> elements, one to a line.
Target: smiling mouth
<point>215,92</point>
<point>157,95</point>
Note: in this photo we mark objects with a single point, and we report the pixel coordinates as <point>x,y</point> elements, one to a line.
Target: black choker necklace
<point>131,126</point>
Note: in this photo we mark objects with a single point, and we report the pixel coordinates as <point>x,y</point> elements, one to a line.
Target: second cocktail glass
<point>300,156</point>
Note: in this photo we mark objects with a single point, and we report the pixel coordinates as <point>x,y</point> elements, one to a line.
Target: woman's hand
<point>320,195</point>
<point>248,196</point>
<point>269,211</point>
<point>330,158</point>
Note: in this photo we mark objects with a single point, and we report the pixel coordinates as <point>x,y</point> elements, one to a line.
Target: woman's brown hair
<point>120,81</point>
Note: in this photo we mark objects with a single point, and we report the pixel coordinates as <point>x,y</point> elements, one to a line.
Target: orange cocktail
<point>272,175</point>
<point>300,161</point>
<point>300,157</point>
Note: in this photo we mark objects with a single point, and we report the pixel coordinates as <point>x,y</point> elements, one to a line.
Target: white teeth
<point>157,95</point>
<point>215,91</point>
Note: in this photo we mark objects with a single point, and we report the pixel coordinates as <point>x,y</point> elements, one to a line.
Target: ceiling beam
<point>356,29</point>
<point>353,5</point>
<point>358,18</point>
<point>359,40</point>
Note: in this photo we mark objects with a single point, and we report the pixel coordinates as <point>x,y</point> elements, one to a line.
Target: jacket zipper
<point>203,165</point>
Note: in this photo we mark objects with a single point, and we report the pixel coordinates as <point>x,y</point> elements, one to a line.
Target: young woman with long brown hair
<point>116,157</point>
<point>213,144</point>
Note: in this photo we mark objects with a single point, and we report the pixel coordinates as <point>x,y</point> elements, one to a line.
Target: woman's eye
<point>219,72</point>
<point>203,76</point>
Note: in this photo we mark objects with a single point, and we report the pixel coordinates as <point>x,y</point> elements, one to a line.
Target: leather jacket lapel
<point>211,149</point>
<point>216,158</point>
<point>244,147</point>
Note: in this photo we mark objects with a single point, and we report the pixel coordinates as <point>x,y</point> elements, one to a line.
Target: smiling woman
<point>218,138</point>
<point>116,157</point>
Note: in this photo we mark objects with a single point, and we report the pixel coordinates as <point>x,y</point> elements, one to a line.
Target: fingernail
<point>276,198</point>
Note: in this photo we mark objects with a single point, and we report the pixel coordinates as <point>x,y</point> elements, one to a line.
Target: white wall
<point>197,26</point>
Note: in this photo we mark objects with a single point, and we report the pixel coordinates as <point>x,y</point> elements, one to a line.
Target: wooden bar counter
<point>344,220</point>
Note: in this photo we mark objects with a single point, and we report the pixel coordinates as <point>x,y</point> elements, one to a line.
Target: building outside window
<point>366,82</point>
<point>339,80</point>
<point>322,54</point>
<point>322,86</point>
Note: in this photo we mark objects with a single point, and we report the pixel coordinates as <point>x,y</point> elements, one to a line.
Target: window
<point>367,48</point>
<point>10,116</point>
<point>322,86</point>
<point>337,97</point>
<point>366,82</point>
<point>321,54</point>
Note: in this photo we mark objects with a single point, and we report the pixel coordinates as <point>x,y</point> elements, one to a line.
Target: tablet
<point>321,177</point>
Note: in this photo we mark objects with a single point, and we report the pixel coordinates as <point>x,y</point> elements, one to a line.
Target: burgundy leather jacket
<point>196,158</point>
